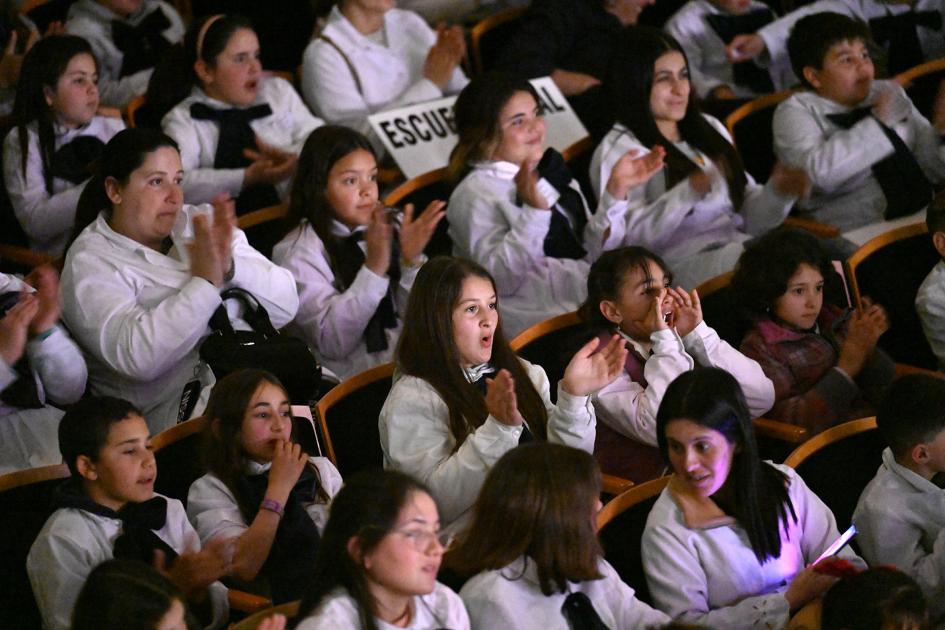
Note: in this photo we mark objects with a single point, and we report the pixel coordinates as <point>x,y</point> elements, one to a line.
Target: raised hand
<point>14,328</point>
<point>633,169</point>
<point>378,238</point>
<point>526,184</point>
<point>501,401</point>
<point>444,56</point>
<point>204,254</point>
<point>687,310</point>
<point>46,282</point>
<point>744,47</point>
<point>416,233</point>
<point>655,316</point>
<point>224,222</point>
<point>884,105</point>
<point>589,371</point>
<point>288,462</point>
<point>790,181</point>
<point>864,330</point>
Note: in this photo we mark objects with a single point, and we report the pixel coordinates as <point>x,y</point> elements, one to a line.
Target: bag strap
<point>354,73</point>
<point>254,313</point>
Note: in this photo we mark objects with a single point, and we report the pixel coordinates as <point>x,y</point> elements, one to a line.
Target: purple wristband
<point>272,506</point>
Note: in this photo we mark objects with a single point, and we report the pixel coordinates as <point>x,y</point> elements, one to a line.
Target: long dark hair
<point>223,449</point>
<point>476,114</point>
<point>627,87</point>
<point>126,594</point>
<point>366,508</point>
<point>174,76</point>
<point>42,67</point>
<point>538,501</point>
<point>309,199</point>
<point>712,398</point>
<point>123,155</point>
<point>427,349</point>
<point>608,274</point>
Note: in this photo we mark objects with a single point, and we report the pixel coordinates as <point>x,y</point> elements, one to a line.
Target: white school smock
<point>30,437</point>
<point>900,519</point>
<point>775,34</point>
<point>416,439</point>
<point>488,227</point>
<point>213,511</point>
<point>139,315</point>
<point>844,192</point>
<point>440,609</point>
<point>332,322</point>
<point>93,22</point>
<point>46,218</point>
<point>73,542</point>
<point>630,409</point>
<point>391,76</point>
<point>698,238</point>
<point>930,305</point>
<point>710,575</point>
<point>709,67</point>
<point>286,128</point>
<point>511,598</point>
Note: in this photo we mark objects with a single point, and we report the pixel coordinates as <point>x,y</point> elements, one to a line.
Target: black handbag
<point>264,348</point>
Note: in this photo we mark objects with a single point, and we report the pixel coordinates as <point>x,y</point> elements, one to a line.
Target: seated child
<point>261,489</point>
<point>377,564</point>
<point>930,300</point>
<point>881,598</point>
<point>128,38</point>
<point>824,363</point>
<point>58,135</point>
<point>353,263</point>
<point>870,154</point>
<point>900,513</point>
<point>40,366</point>
<point>704,28</point>
<point>108,508</point>
<point>629,292</point>
<point>533,542</point>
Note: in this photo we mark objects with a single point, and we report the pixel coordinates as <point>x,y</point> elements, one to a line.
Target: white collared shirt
<point>845,192</point>
<point>901,521</point>
<point>139,315</point>
<point>930,305</point>
<point>73,542</point>
<point>333,322</point>
<point>286,128</point>
<point>391,76</point>
<point>511,598</point>
<point>92,21</point>
<point>709,67</point>
<point>47,218</point>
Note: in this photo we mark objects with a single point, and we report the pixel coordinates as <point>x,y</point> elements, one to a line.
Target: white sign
<point>421,137</point>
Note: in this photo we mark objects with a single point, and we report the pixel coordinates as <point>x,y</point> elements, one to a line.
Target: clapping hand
<point>416,233</point>
<point>633,169</point>
<point>590,370</point>
<point>501,401</point>
<point>687,310</point>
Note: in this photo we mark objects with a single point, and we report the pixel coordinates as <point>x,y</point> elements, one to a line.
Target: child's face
<point>75,99</point>
<point>702,457</point>
<point>352,188</point>
<point>407,559</point>
<point>124,470</point>
<point>733,7</point>
<point>267,421</point>
<point>846,74</point>
<point>634,299</point>
<point>234,77</point>
<point>475,317</point>
<point>522,129</point>
<point>801,302</point>
<point>669,96</point>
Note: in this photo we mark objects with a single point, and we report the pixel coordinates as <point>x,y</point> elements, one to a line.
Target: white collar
<point>252,467</point>
<point>633,342</point>
<point>498,168</point>
<point>913,479</point>
<point>476,372</point>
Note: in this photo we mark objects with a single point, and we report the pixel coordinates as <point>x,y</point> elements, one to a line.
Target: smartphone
<point>838,544</point>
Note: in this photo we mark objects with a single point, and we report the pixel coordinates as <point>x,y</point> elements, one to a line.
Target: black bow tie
<point>236,135</point>
<point>72,161</point>
<point>565,233</point>
<point>905,186</point>
<point>141,44</point>
<point>899,33</point>
<point>580,613</point>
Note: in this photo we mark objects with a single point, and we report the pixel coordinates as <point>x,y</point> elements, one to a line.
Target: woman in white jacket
<point>445,421</point>
<point>142,280</point>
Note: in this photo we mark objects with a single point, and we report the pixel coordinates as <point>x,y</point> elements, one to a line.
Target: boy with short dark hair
<point>930,300</point>
<point>901,513</point>
<point>108,509</point>
<point>870,154</point>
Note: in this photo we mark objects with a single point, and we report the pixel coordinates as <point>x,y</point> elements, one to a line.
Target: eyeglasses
<point>422,538</point>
